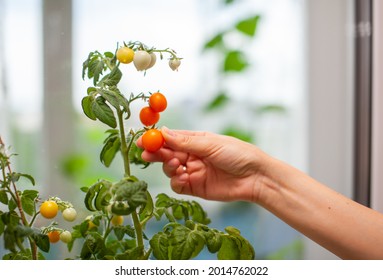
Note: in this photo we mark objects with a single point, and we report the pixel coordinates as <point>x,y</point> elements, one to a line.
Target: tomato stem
<point>124,147</point>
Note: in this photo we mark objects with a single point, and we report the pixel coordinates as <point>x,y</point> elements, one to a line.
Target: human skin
<point>223,168</point>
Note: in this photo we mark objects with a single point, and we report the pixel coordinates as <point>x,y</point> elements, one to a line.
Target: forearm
<point>339,224</point>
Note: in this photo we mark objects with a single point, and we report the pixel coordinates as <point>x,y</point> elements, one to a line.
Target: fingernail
<point>168,131</point>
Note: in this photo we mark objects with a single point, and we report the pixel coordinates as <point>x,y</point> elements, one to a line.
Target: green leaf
<point>113,78</point>
<point>146,210</point>
<point>12,205</point>
<point>248,26</point>
<point>42,241</point>
<point>16,177</point>
<point>93,245</point>
<point>28,205</point>
<point>235,61</point>
<point>213,241</point>
<point>87,105</point>
<point>120,231</point>
<point>228,250</point>
<point>216,41</point>
<point>95,69</point>
<point>218,101</point>
<point>185,243</point>
<point>160,246</point>
<point>198,213</point>
<point>103,112</point>
<point>235,246</point>
<point>3,197</point>
<point>135,156</point>
<point>110,149</point>
<point>2,226</point>
<point>128,196</point>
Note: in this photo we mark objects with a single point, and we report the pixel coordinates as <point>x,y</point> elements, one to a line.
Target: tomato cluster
<point>152,139</point>
<point>142,59</point>
<point>49,209</point>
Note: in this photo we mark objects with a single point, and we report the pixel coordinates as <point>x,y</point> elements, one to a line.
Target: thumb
<point>193,142</point>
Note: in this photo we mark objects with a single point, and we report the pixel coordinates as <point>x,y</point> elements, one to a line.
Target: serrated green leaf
<point>120,231</point>
<point>12,205</point>
<point>235,61</point>
<point>248,26</point>
<point>93,245</point>
<point>103,112</point>
<point>229,249</point>
<point>198,214</point>
<point>185,243</point>
<point>95,69</point>
<point>28,205</point>
<point>87,105</point>
<point>160,246</point>
<point>113,78</point>
<point>109,150</point>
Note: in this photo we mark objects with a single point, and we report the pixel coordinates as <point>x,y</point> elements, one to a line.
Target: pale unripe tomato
<point>174,63</point>
<point>69,214</point>
<point>153,59</point>
<point>66,236</point>
<point>141,60</point>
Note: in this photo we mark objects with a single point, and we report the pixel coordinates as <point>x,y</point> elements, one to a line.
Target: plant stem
<point>138,228</point>
<point>125,156</point>
<point>124,147</point>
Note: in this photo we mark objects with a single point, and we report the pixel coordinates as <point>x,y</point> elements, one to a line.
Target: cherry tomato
<point>117,220</point>
<point>125,55</point>
<point>69,214</point>
<point>158,102</point>
<point>49,209</point>
<point>148,116</point>
<point>153,59</point>
<point>152,140</point>
<point>174,63</point>
<point>54,236</point>
<point>141,60</point>
<point>66,236</point>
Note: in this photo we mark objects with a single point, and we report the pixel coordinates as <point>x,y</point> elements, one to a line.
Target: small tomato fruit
<point>54,236</point>
<point>152,140</point>
<point>174,63</point>
<point>141,60</point>
<point>125,55</point>
<point>148,116</point>
<point>158,102</point>
<point>66,236</point>
<point>49,209</point>
<point>117,220</point>
<point>69,214</point>
<point>153,59</point>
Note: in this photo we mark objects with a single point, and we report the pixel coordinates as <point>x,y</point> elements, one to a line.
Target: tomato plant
<point>22,209</point>
<point>104,233</point>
